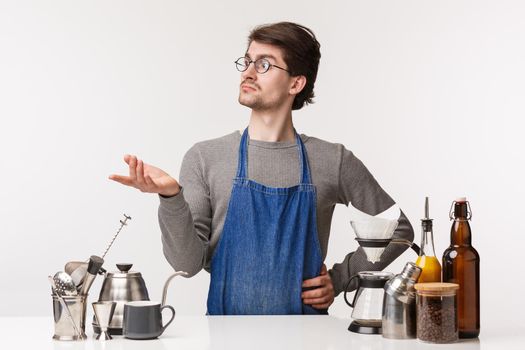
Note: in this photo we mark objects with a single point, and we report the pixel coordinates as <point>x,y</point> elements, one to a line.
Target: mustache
<point>245,82</point>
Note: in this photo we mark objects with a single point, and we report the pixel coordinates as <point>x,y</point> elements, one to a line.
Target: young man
<point>254,208</point>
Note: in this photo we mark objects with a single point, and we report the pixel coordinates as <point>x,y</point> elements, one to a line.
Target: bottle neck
<point>427,241</point>
<point>460,233</point>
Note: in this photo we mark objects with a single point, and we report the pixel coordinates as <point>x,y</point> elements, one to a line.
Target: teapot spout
<point>165,290</point>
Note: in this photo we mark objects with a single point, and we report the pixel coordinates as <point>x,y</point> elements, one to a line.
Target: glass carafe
<point>368,301</point>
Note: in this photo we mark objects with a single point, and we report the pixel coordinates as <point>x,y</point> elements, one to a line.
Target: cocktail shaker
<point>399,304</point>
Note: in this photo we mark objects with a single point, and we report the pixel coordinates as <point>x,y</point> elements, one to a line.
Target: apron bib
<point>268,246</point>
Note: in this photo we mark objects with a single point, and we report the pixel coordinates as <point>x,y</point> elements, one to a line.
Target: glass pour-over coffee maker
<point>373,235</point>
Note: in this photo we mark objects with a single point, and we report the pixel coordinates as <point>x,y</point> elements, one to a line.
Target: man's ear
<point>298,84</point>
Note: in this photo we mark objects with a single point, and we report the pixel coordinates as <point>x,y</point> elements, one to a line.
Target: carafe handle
<point>346,290</point>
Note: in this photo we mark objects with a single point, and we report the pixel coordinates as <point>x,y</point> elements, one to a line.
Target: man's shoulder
<point>216,145</point>
<point>225,140</point>
<point>317,144</point>
<point>327,153</point>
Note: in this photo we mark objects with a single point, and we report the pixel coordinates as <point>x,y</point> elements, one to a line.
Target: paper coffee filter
<point>369,227</point>
<point>374,228</point>
<point>373,254</point>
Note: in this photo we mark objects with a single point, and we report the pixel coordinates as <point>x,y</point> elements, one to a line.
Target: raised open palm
<point>147,178</point>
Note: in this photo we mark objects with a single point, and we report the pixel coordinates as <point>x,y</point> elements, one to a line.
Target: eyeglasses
<point>262,65</point>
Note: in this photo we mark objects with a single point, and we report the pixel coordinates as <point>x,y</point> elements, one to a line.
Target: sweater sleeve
<point>186,223</point>
<point>358,187</point>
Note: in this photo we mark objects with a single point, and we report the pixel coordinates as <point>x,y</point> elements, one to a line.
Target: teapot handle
<point>165,291</point>
<point>346,290</point>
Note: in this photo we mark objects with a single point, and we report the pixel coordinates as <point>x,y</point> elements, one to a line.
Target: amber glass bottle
<point>461,266</point>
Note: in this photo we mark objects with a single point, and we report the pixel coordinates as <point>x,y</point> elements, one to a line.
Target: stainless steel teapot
<point>123,286</point>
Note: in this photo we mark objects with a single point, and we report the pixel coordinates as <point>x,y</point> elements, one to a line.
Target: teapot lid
<point>124,271</point>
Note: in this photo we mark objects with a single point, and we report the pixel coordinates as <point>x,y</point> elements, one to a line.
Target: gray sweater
<point>191,222</point>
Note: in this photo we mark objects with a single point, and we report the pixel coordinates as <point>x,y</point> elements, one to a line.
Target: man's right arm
<point>185,219</point>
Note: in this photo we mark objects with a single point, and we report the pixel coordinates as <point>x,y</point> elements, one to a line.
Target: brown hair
<point>300,53</point>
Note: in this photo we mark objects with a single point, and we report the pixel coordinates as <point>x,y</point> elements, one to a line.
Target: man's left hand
<point>323,295</point>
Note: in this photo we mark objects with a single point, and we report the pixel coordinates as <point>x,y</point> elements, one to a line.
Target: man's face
<point>266,91</point>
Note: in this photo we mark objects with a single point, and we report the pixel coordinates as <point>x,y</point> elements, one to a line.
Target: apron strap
<point>242,166</point>
<point>305,168</point>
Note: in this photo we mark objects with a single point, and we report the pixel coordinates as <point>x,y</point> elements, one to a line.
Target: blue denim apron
<point>268,246</point>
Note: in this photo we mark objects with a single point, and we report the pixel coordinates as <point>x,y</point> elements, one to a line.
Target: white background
<point>429,94</point>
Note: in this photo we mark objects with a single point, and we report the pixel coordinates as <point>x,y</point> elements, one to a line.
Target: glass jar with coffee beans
<point>437,312</point>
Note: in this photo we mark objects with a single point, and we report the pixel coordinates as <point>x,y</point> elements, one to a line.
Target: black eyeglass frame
<point>238,65</point>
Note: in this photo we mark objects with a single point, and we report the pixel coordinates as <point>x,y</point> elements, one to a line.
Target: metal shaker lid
<point>401,287</point>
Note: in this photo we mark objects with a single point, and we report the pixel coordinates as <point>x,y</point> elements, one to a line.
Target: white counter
<point>244,332</point>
